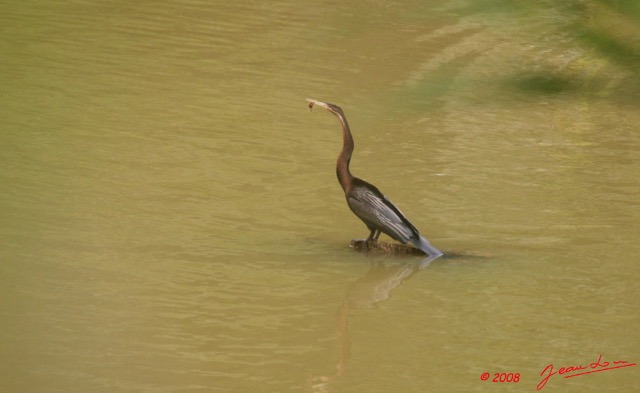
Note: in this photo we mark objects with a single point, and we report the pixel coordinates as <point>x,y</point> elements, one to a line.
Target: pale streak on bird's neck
<point>342,167</point>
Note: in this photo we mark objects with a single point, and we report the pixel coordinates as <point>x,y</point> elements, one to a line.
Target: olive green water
<point>171,220</point>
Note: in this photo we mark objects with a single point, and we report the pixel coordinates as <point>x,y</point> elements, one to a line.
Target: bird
<point>370,205</point>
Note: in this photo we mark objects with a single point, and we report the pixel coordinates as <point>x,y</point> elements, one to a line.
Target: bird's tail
<point>424,245</point>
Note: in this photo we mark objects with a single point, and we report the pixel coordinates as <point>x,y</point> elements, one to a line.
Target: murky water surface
<point>171,221</point>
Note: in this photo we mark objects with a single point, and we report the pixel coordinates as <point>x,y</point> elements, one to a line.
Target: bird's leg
<point>373,235</point>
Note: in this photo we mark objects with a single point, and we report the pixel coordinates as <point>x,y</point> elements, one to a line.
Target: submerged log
<point>402,249</point>
<point>387,248</point>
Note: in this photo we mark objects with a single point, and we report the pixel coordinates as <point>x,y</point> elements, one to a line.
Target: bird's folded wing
<point>381,213</point>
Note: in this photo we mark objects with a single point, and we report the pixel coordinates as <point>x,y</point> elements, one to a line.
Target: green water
<point>171,220</point>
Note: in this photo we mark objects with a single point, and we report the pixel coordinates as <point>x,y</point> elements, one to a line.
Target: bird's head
<point>335,109</point>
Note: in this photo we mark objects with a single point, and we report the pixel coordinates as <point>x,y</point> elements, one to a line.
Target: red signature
<point>594,367</point>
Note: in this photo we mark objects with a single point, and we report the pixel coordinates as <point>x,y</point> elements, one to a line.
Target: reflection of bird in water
<point>366,201</point>
<point>374,287</point>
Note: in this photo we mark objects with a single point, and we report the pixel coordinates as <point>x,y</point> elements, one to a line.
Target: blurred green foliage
<point>613,28</point>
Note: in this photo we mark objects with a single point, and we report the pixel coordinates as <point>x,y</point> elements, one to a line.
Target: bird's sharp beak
<point>313,102</point>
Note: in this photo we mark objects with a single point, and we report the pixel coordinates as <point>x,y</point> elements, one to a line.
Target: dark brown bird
<point>366,201</point>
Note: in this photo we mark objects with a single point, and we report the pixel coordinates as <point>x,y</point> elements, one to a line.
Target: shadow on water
<point>605,33</point>
<point>544,83</point>
<point>612,28</point>
<point>586,48</point>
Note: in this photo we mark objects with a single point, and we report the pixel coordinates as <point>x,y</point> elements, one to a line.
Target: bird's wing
<point>378,212</point>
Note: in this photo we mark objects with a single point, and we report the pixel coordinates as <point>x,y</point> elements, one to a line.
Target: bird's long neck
<point>342,167</point>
